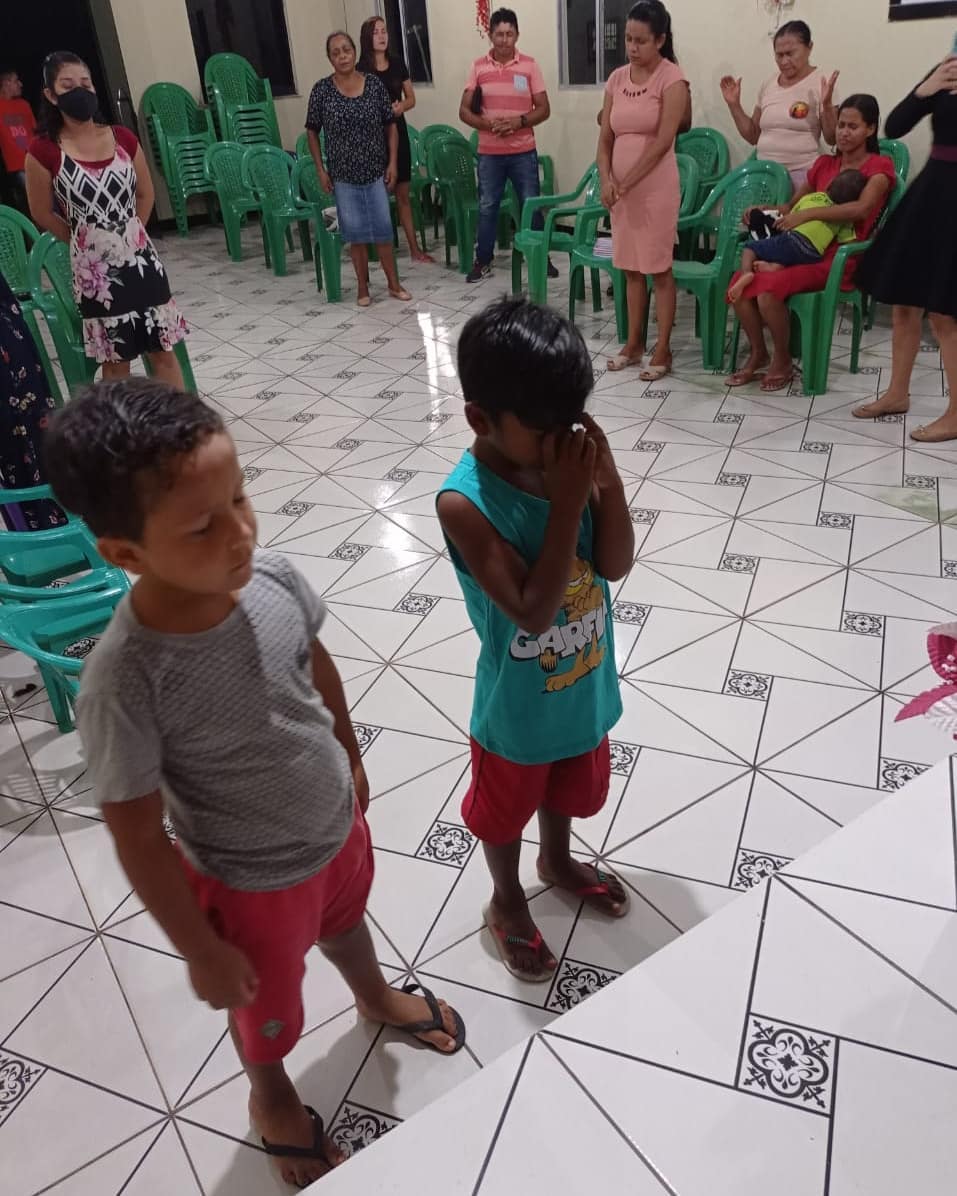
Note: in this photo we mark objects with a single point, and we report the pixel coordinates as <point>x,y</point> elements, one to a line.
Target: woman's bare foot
<point>397,1008</point>
<point>940,430</point>
<point>748,372</point>
<point>516,933</point>
<point>419,255</point>
<point>286,1123</point>
<point>574,876</point>
<point>888,404</point>
<point>737,289</point>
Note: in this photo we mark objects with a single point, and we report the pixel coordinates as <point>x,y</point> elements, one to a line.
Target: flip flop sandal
<point>503,940</point>
<point>316,1151</point>
<point>414,1029</point>
<point>602,888</point>
<point>364,301</point>
<point>771,384</point>
<point>621,362</point>
<point>654,373</point>
<point>401,294</point>
<point>743,377</point>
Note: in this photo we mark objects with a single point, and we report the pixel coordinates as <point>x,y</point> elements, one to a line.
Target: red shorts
<point>503,795</point>
<point>274,930</point>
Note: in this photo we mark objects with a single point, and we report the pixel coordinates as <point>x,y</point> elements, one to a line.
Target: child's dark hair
<point>870,111</point>
<point>503,16</point>
<point>654,14</point>
<point>49,117</point>
<point>528,360</point>
<point>115,445</point>
<point>799,29</point>
<point>847,186</point>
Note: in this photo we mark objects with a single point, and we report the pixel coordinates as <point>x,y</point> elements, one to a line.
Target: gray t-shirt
<point>228,725</point>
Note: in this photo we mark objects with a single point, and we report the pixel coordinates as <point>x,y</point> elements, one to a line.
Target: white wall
<point>714,37</point>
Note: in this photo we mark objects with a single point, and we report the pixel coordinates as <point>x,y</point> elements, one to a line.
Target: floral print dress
<point>25,407</point>
<point>119,282</point>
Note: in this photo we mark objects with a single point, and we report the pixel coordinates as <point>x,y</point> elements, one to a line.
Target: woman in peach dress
<point>645,103</point>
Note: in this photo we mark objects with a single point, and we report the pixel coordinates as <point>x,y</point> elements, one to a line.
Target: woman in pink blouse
<point>645,103</point>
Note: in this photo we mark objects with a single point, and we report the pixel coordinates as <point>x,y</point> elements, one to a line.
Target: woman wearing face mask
<point>88,184</point>
<point>794,107</point>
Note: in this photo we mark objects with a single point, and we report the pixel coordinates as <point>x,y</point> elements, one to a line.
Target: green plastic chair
<point>180,132</point>
<point>242,102</point>
<point>899,154</point>
<point>535,245</point>
<point>454,172</point>
<point>709,148</point>
<point>815,314</point>
<point>51,287</point>
<point>58,635</point>
<point>18,235</point>
<point>327,252</point>
<point>752,184</point>
<point>223,165</point>
<point>267,172</point>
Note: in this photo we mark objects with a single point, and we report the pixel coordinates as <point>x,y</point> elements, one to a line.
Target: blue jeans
<point>494,171</point>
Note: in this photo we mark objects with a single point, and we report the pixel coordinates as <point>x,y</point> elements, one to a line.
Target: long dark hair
<point>50,118</point>
<point>366,49</point>
<point>654,14</point>
<point>799,29</point>
<point>870,110</point>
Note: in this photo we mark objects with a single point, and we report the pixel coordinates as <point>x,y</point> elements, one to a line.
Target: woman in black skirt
<point>376,58</point>
<point>913,263</point>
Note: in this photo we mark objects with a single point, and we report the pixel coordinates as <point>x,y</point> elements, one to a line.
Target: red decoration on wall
<point>483,10</point>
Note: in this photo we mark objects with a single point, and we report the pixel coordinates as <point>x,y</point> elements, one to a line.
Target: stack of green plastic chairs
<point>50,281</point>
<point>224,169</point>
<point>709,148</point>
<point>241,101</point>
<point>180,132</point>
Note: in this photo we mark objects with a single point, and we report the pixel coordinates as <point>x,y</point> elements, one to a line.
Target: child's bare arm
<point>325,677</point>
<point>220,973</point>
<point>529,595</point>
<point>614,531</point>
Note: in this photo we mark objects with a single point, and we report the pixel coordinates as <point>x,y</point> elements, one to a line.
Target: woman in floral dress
<point>89,185</point>
<point>25,407</point>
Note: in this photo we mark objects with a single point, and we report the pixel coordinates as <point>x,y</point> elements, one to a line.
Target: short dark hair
<point>799,29</point>
<point>847,186</point>
<point>528,360</point>
<point>339,33</point>
<point>503,16</point>
<point>116,445</point>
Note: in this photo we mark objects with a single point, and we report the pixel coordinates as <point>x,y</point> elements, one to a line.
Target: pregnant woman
<point>645,103</point>
<point>88,184</point>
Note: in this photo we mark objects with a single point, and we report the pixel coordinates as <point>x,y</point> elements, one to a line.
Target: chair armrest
<point>587,223</point>
<point>835,277</point>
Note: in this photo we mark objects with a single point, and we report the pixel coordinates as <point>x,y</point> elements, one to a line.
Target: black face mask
<point>78,103</point>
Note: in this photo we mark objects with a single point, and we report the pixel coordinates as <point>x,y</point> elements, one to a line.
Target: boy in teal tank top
<point>536,522</point>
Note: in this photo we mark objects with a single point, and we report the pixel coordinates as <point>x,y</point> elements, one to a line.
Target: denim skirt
<point>364,216</point>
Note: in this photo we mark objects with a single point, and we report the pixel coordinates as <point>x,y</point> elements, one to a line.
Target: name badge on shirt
<point>521,83</point>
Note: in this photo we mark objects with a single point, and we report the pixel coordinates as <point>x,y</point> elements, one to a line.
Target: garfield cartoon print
<point>570,650</point>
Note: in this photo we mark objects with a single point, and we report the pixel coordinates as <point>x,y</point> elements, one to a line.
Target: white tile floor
<point>790,560</point>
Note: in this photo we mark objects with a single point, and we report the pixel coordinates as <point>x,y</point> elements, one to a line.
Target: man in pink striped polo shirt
<point>504,99</point>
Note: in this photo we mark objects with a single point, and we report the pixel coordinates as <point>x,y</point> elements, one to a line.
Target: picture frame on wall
<point>920,10</point>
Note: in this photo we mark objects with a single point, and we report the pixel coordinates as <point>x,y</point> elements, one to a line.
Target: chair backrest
<point>689,181</point>
<point>234,78</point>
<point>899,154</point>
<point>267,171</point>
<point>752,184</point>
<point>455,167</point>
<point>224,169</point>
<point>709,148</point>
<point>432,134</point>
<point>50,260</point>
<point>175,109</point>
<point>17,236</point>
<point>305,183</point>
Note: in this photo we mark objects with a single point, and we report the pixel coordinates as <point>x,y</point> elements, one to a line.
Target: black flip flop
<point>435,1023</point>
<point>316,1151</point>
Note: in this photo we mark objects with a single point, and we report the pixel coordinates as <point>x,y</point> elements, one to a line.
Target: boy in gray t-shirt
<point>209,696</point>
